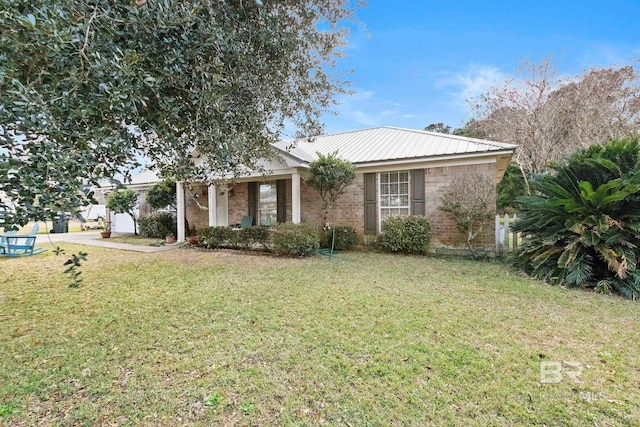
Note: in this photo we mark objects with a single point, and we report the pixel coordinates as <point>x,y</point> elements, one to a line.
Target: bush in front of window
<point>295,239</point>
<point>345,238</point>
<point>249,237</point>
<point>409,234</point>
<point>216,237</point>
<point>157,225</point>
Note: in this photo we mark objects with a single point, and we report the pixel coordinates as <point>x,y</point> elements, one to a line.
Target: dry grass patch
<point>136,240</point>
<point>190,337</point>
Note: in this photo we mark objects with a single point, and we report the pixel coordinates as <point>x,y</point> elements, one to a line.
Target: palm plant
<point>582,222</point>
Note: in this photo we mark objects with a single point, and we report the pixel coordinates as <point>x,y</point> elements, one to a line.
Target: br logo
<point>553,372</point>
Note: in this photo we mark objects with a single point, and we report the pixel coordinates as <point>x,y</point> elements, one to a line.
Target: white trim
<point>295,198</point>
<point>224,202</point>
<point>212,199</point>
<point>382,167</point>
<point>180,201</point>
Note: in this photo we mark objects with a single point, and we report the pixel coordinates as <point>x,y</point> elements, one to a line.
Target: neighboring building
<point>398,172</point>
<point>122,223</point>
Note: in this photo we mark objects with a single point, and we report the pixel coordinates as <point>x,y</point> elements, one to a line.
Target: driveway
<point>92,238</point>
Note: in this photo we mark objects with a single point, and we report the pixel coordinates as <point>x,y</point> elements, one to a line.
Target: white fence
<point>506,240</point>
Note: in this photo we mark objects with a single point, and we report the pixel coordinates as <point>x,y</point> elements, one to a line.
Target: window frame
<point>380,194</point>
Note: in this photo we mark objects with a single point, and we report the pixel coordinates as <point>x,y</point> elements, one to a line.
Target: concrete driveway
<point>92,238</point>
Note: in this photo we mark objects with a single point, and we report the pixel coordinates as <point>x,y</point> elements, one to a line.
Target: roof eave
<point>439,157</point>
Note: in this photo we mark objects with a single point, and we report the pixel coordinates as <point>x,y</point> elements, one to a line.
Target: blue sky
<point>417,62</point>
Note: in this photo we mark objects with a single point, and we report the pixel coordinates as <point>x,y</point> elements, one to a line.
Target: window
<point>267,204</point>
<point>394,194</point>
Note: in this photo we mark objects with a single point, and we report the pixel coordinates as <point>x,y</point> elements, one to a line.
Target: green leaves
<point>124,200</point>
<point>582,223</point>
<point>73,268</point>
<point>330,176</point>
<point>200,88</point>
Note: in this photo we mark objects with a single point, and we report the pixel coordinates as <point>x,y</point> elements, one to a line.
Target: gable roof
<point>384,144</point>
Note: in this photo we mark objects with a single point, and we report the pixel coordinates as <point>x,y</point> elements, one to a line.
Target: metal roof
<point>388,144</point>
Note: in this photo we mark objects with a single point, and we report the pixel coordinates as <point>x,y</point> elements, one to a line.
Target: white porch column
<point>181,210</point>
<point>213,206</point>
<point>295,198</point>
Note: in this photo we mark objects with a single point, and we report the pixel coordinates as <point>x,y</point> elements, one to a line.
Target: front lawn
<point>130,239</point>
<point>196,338</point>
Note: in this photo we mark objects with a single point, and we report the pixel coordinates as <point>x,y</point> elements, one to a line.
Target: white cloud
<point>364,109</point>
<point>602,55</point>
<point>471,83</point>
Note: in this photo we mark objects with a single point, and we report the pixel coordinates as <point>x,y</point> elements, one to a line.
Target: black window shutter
<point>281,191</point>
<point>253,201</point>
<point>417,192</point>
<point>370,222</point>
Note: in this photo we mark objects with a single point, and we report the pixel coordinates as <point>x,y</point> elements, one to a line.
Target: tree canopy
<point>124,200</point>
<point>551,117</point>
<point>162,194</point>
<point>199,87</point>
<point>330,176</point>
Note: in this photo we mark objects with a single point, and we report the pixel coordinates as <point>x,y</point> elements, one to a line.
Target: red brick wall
<point>238,202</point>
<point>349,209</point>
<point>443,227</point>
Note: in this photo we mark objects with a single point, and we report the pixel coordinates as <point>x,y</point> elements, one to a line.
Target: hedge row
<point>406,234</point>
<point>283,239</point>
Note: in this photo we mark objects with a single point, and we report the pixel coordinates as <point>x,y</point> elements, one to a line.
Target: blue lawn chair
<point>14,245</point>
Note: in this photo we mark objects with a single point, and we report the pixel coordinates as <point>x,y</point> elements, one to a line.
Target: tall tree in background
<point>198,87</point>
<point>468,129</point>
<point>549,117</point>
<point>438,127</point>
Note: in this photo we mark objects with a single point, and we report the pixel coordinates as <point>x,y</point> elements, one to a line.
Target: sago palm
<point>582,223</point>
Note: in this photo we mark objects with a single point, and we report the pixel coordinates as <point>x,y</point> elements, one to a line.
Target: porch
<point>268,199</point>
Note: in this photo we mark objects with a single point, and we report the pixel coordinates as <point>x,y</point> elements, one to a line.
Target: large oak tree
<point>199,87</point>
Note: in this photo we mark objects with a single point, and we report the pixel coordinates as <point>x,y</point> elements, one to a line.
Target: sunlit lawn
<point>215,338</point>
<point>130,239</point>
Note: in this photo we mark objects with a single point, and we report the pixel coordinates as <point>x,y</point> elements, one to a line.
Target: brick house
<point>398,172</point>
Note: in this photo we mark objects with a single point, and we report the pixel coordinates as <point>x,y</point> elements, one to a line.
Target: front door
<point>222,207</point>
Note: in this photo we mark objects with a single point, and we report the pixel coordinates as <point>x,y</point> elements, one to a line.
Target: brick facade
<point>442,225</point>
<point>349,210</point>
<point>238,202</point>
<point>196,198</point>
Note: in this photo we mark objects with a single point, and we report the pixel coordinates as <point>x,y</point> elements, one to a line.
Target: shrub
<point>295,239</point>
<point>409,234</point>
<point>582,223</point>
<point>162,194</point>
<point>255,235</point>
<point>471,200</point>
<point>157,225</point>
<point>124,200</point>
<point>216,237</point>
<point>330,176</point>
<point>345,238</point>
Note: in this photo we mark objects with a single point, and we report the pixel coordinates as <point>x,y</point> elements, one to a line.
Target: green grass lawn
<point>196,338</point>
<point>137,240</point>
